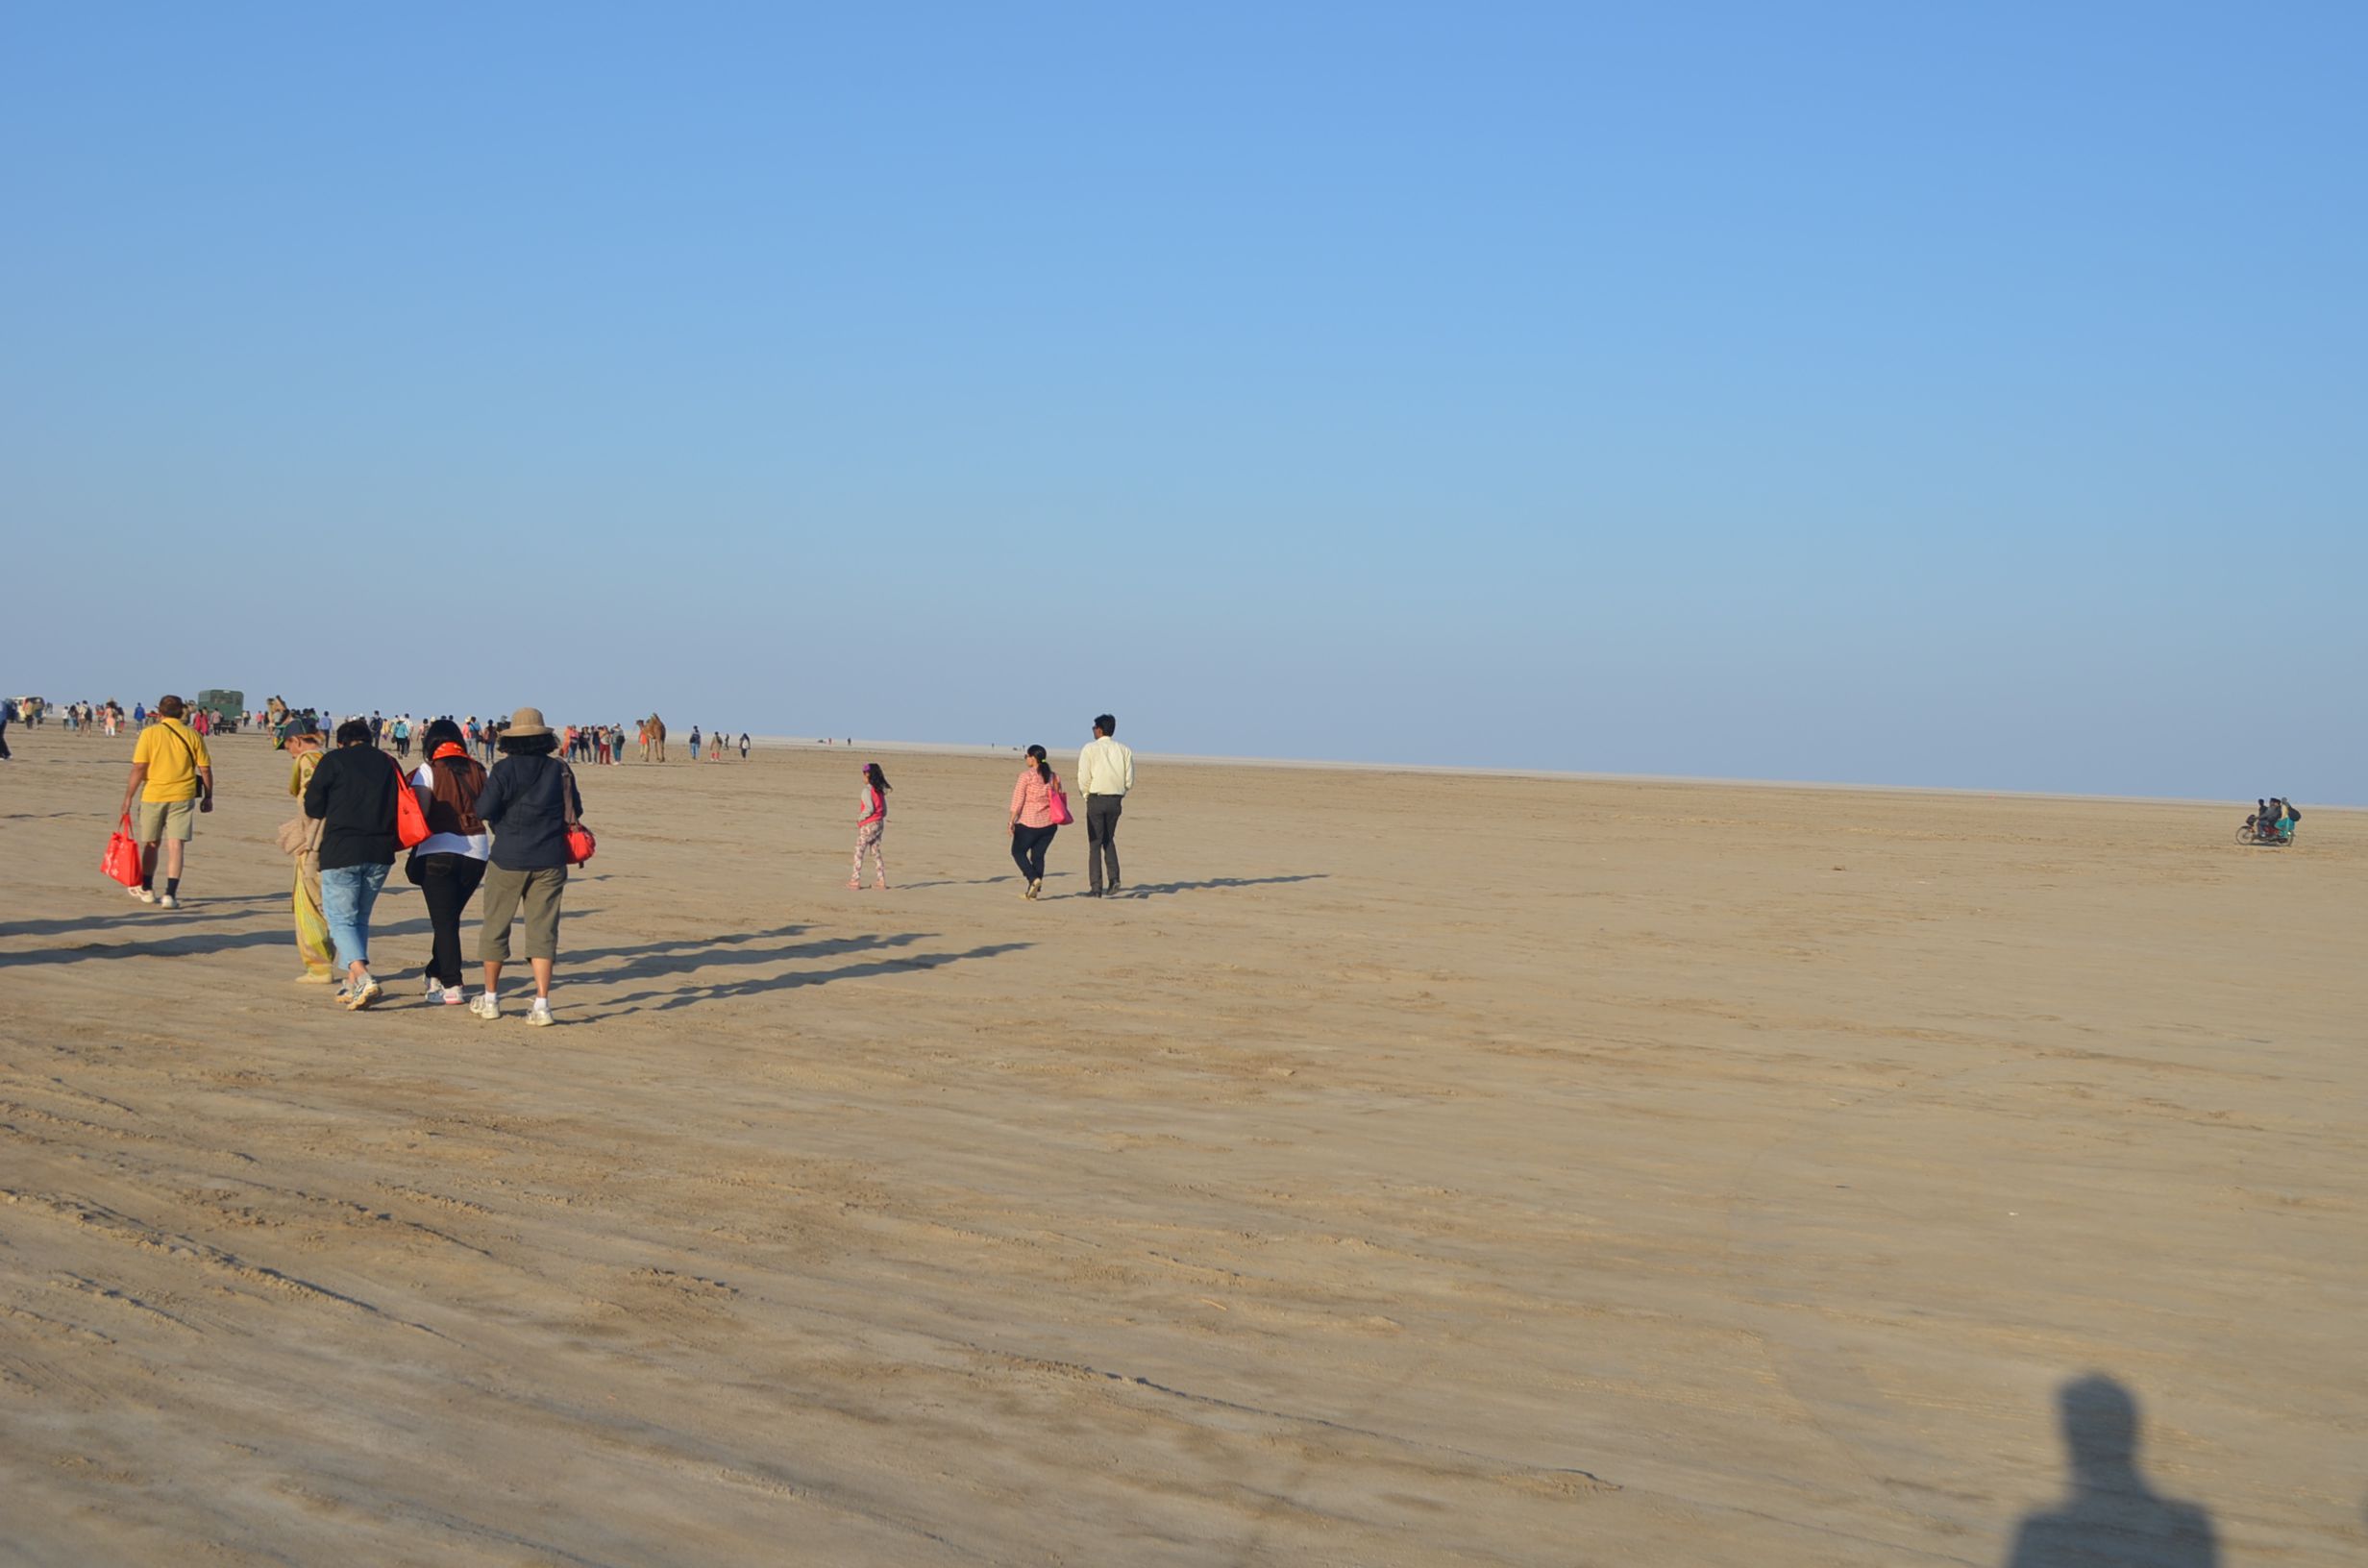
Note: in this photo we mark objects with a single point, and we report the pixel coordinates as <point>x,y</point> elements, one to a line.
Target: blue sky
<point>1897,394</point>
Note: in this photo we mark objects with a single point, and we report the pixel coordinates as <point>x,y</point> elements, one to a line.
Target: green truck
<point>226,709</point>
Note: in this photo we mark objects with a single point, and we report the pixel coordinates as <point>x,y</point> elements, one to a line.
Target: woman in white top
<point>450,862</point>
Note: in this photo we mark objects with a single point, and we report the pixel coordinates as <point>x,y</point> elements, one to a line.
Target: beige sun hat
<point>527,722</point>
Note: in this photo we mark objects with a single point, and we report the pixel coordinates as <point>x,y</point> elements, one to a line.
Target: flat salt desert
<point>1418,1170</point>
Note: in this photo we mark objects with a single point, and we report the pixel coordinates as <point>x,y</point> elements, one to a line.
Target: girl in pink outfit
<point>873,803</point>
<point>1033,821</point>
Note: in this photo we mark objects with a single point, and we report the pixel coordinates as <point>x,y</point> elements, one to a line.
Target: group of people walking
<point>1039,810</point>
<point>507,829</point>
<point>511,830</point>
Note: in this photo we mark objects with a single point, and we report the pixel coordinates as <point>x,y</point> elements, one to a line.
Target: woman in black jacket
<point>530,798</point>
<point>353,797</point>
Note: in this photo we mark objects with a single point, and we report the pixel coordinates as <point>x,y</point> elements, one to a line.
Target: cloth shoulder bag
<point>1057,803</point>
<point>580,843</point>
<point>410,822</point>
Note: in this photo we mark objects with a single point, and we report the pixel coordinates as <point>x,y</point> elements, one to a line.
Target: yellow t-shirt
<point>172,766</point>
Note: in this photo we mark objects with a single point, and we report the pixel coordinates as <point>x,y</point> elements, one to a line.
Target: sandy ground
<point>1413,1170</point>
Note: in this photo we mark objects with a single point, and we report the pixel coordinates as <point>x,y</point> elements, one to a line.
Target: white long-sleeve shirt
<point>1105,768</point>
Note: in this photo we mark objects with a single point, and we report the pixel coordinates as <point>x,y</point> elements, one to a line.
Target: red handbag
<point>1056,805</point>
<point>122,860</point>
<point>410,822</point>
<point>580,843</point>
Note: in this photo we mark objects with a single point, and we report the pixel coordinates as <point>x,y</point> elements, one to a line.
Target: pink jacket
<point>1031,798</point>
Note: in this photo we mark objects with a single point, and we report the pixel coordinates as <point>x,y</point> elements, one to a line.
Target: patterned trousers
<point>866,836</point>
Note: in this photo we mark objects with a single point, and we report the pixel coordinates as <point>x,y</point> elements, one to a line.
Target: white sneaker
<point>540,1013</point>
<point>486,1005</point>
<point>435,990</point>
<point>143,895</point>
<point>167,902</point>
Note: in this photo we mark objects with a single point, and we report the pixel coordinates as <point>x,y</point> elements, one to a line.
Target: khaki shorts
<point>155,820</point>
<point>538,892</point>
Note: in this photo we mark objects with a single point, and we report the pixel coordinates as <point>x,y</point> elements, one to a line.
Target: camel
<point>656,738</point>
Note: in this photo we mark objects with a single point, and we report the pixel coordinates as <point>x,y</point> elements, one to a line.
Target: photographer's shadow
<point>2112,1518</point>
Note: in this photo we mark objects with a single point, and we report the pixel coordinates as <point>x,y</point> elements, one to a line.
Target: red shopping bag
<point>122,862</point>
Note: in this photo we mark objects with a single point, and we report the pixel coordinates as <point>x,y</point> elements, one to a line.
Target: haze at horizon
<point>1939,399</point>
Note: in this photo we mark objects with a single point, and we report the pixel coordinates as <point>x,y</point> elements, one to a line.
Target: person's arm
<point>205,781</point>
<point>494,799</point>
<point>1019,798</point>
<point>130,791</point>
<point>1126,769</point>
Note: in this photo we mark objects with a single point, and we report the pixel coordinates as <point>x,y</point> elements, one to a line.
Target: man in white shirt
<point>1105,772</point>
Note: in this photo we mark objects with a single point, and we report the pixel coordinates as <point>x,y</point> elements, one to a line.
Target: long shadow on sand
<point>1155,889</point>
<point>728,954</point>
<point>128,915</point>
<point>192,946</point>
<point>690,996</point>
<point>673,953</point>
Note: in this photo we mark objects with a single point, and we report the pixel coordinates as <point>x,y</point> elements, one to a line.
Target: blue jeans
<point>347,893</point>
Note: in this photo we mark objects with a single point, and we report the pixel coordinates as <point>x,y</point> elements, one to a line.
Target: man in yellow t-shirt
<point>172,778</point>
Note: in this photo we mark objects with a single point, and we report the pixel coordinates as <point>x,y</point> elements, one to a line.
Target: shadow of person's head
<point>2109,1516</point>
<point>2100,1428</point>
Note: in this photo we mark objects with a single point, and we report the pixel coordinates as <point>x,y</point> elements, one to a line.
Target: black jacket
<point>353,793</point>
<point>522,805</point>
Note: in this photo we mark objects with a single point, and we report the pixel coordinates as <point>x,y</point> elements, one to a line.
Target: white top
<point>1104,768</point>
<point>475,846</point>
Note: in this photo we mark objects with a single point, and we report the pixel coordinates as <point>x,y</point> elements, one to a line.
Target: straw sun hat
<point>527,722</point>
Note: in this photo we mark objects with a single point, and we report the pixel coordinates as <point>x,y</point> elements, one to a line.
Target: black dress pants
<point>1102,838</point>
<point>448,882</point>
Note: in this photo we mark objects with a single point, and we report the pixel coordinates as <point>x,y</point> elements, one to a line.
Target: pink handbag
<point>1056,805</point>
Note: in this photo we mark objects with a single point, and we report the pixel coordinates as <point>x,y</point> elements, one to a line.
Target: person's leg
<point>503,889</point>
<point>1101,851</point>
<point>541,897</point>
<point>880,856</point>
<point>854,874</point>
<point>342,903</point>
<point>312,943</point>
<point>1043,846</point>
<point>148,827</point>
<point>1020,841</point>
<point>367,881</point>
<point>436,889</point>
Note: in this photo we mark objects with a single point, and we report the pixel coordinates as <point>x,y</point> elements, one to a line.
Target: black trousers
<point>448,882</point>
<point>1102,838</point>
<point>1027,849</point>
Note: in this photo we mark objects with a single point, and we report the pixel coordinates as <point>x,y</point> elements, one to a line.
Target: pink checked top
<point>1031,798</point>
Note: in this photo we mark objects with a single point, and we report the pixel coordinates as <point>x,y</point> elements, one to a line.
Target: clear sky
<point>1959,395</point>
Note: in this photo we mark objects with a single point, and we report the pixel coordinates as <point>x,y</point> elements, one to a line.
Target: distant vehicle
<point>226,707</point>
<point>2272,824</point>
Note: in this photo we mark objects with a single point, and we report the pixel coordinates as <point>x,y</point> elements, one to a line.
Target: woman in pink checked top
<point>873,803</point>
<point>1032,820</point>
